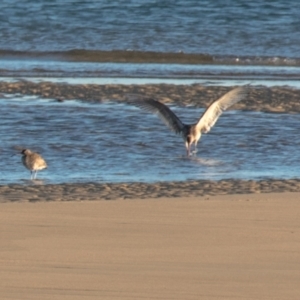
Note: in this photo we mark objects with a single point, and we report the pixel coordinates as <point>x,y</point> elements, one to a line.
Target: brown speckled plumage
<point>34,162</point>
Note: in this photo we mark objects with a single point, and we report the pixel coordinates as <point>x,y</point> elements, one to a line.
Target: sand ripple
<point>113,191</point>
<point>274,99</point>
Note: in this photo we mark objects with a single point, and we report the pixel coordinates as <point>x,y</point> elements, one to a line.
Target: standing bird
<point>192,133</point>
<point>33,162</point>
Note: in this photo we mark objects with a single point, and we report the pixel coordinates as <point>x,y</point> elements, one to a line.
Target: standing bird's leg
<point>35,173</point>
<point>195,150</point>
<point>188,151</point>
<point>188,146</point>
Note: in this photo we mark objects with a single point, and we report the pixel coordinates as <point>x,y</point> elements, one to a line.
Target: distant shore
<point>118,56</point>
<point>274,99</point>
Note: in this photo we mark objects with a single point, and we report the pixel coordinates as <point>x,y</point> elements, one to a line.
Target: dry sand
<point>212,247</point>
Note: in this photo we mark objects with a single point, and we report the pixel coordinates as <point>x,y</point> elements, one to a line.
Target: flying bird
<point>33,161</point>
<point>191,133</point>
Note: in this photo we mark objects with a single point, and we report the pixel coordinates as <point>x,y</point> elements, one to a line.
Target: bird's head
<point>25,151</point>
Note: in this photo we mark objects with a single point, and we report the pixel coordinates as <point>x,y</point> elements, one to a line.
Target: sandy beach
<point>213,247</point>
<point>202,239</point>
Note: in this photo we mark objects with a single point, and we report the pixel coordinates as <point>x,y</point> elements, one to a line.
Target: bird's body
<point>192,133</point>
<point>34,162</point>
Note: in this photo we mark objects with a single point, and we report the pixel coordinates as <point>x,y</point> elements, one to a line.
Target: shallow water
<point>54,68</point>
<point>111,142</point>
<point>146,73</point>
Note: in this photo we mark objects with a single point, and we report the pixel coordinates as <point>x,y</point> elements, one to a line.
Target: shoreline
<point>271,100</point>
<point>264,99</point>
<point>39,192</point>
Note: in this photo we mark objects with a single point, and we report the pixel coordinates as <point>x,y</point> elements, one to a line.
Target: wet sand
<point>37,191</point>
<point>122,56</point>
<point>275,99</point>
<point>216,247</point>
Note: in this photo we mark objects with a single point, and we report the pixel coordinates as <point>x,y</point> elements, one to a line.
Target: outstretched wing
<point>164,112</point>
<point>213,112</point>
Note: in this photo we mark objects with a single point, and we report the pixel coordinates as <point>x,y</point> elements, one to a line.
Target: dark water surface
<point>236,28</point>
<point>111,142</point>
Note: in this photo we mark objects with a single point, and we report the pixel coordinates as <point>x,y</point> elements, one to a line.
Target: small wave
<point>209,162</point>
<point>132,56</point>
<point>257,60</point>
<point>127,56</point>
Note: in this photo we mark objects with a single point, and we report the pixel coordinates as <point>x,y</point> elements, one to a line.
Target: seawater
<point>112,142</point>
<point>143,73</point>
<point>222,28</point>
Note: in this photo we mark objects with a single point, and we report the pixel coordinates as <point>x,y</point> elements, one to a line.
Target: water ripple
<point>113,142</point>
